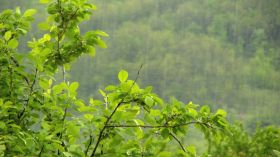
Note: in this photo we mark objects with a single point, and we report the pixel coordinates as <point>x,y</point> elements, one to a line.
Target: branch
<point>163,126</point>
<point>41,151</point>
<point>65,111</point>
<point>159,126</point>
<point>179,142</point>
<point>17,65</point>
<point>63,73</point>
<point>30,94</point>
<point>111,115</point>
<point>90,142</point>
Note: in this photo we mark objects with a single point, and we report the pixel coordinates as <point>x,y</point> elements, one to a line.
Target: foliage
<point>223,53</point>
<point>40,116</point>
<point>264,142</point>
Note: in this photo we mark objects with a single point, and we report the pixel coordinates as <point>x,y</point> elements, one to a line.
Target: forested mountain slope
<point>222,53</point>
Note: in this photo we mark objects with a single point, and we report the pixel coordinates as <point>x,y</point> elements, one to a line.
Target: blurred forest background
<point>223,53</point>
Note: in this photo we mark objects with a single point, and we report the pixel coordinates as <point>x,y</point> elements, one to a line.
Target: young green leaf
<point>123,75</point>
<point>221,113</point>
<point>149,101</point>
<point>101,33</point>
<point>29,12</point>
<point>8,35</point>
<point>101,43</point>
<point>13,43</point>
<point>73,87</point>
<point>44,26</point>
<point>191,150</point>
<point>44,1</point>
<point>91,51</point>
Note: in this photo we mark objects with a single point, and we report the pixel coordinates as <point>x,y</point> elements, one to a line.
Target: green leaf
<point>73,87</point>
<point>123,75</point>
<point>205,110</point>
<point>44,26</point>
<point>181,153</point>
<point>24,31</point>
<point>276,152</point>
<point>101,43</point>
<point>44,1</point>
<point>57,89</point>
<point>102,93</point>
<point>46,51</point>
<point>18,10</point>
<point>2,25</point>
<point>158,100</point>
<point>101,33</point>
<point>222,122</point>
<point>155,113</point>
<point>13,43</point>
<point>8,35</point>
<point>149,101</point>
<point>88,116</point>
<point>2,125</point>
<point>73,129</point>
<point>191,150</point>
<point>67,154</point>
<point>164,133</point>
<point>139,132</point>
<point>221,113</point>
<point>91,51</point>
<point>111,88</point>
<point>46,37</point>
<point>90,6</point>
<point>165,154</point>
<point>44,84</point>
<point>193,112</point>
<point>29,12</point>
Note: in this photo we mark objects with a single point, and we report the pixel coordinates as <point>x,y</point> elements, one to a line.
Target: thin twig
<point>90,142</point>
<point>111,115</point>
<point>41,151</point>
<point>17,65</point>
<point>63,73</point>
<point>179,142</point>
<point>29,96</point>
<point>159,126</point>
<point>65,111</point>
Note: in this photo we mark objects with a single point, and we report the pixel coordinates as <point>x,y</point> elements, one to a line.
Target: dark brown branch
<point>111,115</point>
<point>178,141</point>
